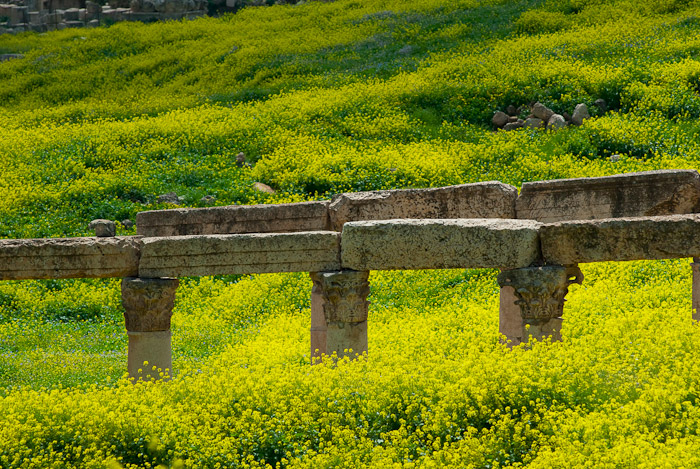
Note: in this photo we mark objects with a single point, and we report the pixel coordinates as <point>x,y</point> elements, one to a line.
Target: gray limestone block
<point>621,239</point>
<point>478,200</point>
<point>439,244</point>
<point>235,219</point>
<point>69,258</point>
<point>650,193</point>
<point>182,256</point>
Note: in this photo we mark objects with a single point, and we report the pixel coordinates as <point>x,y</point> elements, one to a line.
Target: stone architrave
<point>184,256</point>
<point>479,200</point>
<point>541,293</point>
<point>235,219</point>
<point>69,258</point>
<point>148,306</point>
<point>621,239</point>
<point>439,244</point>
<point>339,310</point>
<point>650,193</point>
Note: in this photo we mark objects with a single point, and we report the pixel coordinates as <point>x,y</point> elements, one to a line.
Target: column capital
<point>344,295</point>
<point>148,303</point>
<point>541,290</point>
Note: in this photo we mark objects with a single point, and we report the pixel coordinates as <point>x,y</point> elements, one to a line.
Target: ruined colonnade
<point>536,239</point>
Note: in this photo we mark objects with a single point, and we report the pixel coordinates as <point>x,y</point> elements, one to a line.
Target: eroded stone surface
<point>621,239</point>
<point>184,256</point>
<point>650,193</point>
<point>148,303</point>
<point>479,200</point>
<point>69,258</point>
<point>439,244</point>
<point>305,216</point>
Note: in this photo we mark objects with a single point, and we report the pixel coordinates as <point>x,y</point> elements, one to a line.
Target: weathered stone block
<point>479,200</point>
<point>69,258</point>
<point>306,216</point>
<point>650,193</point>
<point>240,254</point>
<point>439,244</point>
<point>621,239</point>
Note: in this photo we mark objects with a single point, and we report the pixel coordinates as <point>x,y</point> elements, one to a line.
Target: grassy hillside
<point>324,98</point>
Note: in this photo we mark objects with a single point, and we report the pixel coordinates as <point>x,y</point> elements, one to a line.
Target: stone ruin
<point>536,238</point>
<point>47,15</point>
<point>541,117</point>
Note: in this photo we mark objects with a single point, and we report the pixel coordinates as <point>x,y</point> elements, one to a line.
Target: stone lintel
<point>621,239</point>
<point>649,193</point>
<point>69,258</point>
<point>479,200</point>
<point>440,244</point>
<point>183,256</point>
<point>234,219</point>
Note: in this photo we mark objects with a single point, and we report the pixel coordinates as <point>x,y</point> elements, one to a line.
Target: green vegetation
<point>325,98</point>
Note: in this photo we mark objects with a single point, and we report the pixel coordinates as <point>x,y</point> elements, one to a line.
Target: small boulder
<point>541,111</point>
<point>601,105</point>
<point>534,123</point>
<point>580,114</point>
<point>260,187</point>
<point>208,200</point>
<point>518,124</point>
<point>240,159</point>
<point>615,157</point>
<point>499,119</point>
<point>103,228</point>
<point>512,110</point>
<point>170,198</point>
<point>513,119</point>
<point>556,122</point>
<point>127,224</point>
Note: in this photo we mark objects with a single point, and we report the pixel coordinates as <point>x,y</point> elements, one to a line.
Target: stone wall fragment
<point>650,193</point>
<point>439,244</point>
<point>305,216</point>
<point>478,200</point>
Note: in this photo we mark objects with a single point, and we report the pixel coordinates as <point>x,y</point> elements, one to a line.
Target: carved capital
<point>540,290</point>
<point>148,303</point>
<point>344,295</point>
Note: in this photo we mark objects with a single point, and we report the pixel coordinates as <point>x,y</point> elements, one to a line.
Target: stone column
<point>339,309</point>
<point>148,306</point>
<point>510,321</point>
<point>540,293</point>
<point>695,265</point>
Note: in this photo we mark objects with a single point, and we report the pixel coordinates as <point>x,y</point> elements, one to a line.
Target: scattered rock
<point>260,187</point>
<point>103,228</point>
<point>556,122</point>
<point>534,123</point>
<point>512,110</point>
<point>541,111</point>
<point>4,57</point>
<point>127,224</point>
<point>170,198</point>
<point>615,157</point>
<point>601,105</point>
<point>240,159</point>
<point>580,114</point>
<point>513,119</point>
<point>208,200</point>
<point>518,124</point>
<point>499,119</point>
